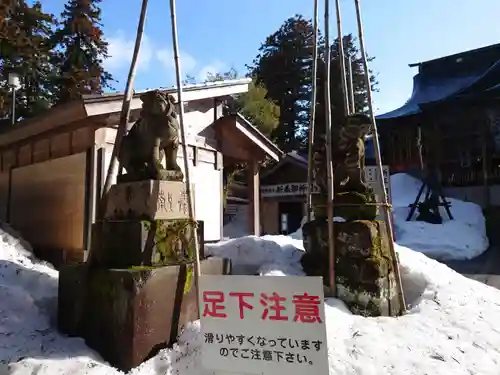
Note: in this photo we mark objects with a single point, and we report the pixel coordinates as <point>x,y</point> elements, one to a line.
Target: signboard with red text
<point>263,325</point>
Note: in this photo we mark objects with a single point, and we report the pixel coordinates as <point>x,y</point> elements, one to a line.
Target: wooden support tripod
<point>434,196</point>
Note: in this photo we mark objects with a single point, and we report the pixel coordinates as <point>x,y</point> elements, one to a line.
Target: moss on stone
<point>142,275</point>
<point>173,240</point>
<point>189,278</point>
<point>381,253</point>
<point>363,273</point>
<point>353,205</point>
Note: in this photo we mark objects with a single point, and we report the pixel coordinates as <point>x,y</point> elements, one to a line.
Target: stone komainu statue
<point>349,153</point>
<point>348,162</point>
<point>153,136</point>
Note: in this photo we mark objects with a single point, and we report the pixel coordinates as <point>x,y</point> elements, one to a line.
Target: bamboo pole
<point>329,167</point>
<point>184,145</point>
<point>378,158</point>
<point>313,113</point>
<point>351,85</point>
<point>342,58</point>
<point>125,112</point>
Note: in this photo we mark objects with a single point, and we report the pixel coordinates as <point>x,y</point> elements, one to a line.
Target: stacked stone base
<point>127,315</point>
<point>364,274</point>
<point>137,290</point>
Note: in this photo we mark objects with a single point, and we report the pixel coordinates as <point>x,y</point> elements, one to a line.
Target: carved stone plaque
<point>151,199</point>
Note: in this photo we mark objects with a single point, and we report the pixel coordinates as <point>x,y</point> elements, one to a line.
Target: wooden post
<point>329,166</point>
<point>350,85</point>
<point>342,59</point>
<point>253,198</point>
<point>436,158</point>
<point>184,147</point>
<point>484,157</point>
<point>125,113</point>
<point>309,209</point>
<point>378,158</point>
<point>124,119</point>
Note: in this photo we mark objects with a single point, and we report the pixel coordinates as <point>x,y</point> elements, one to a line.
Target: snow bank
<point>274,255</point>
<point>461,238</point>
<point>28,295</point>
<point>451,326</point>
<point>449,329</point>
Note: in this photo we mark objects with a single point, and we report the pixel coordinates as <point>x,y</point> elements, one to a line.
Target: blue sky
<point>217,35</point>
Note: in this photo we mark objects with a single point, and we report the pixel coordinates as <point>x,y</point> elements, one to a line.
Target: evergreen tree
<point>253,105</point>
<point>83,50</point>
<point>256,108</point>
<point>283,66</point>
<point>25,46</point>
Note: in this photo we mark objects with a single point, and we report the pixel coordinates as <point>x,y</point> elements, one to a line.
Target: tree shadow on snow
<point>28,318</point>
<point>488,263</point>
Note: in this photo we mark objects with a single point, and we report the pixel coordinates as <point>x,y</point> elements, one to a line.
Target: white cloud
<point>166,56</point>
<point>213,68</point>
<point>121,49</point>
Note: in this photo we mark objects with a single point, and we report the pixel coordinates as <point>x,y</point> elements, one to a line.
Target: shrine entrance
<point>290,216</point>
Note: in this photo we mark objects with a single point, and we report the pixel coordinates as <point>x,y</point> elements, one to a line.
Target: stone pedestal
<point>364,273</point>
<point>129,314</point>
<point>71,298</point>
<point>136,291</point>
<point>128,243</point>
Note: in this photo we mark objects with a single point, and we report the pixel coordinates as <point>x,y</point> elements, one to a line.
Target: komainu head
<point>359,123</point>
<point>158,103</point>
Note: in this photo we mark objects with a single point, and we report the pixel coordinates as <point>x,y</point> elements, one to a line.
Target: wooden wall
<point>73,139</point>
<point>270,216</point>
<point>288,173</point>
<point>48,204</point>
<point>398,144</point>
<point>4,194</point>
<point>45,177</point>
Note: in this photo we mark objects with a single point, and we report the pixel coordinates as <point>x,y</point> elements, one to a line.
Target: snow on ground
<point>464,237</point>
<point>451,327</point>
<point>461,238</point>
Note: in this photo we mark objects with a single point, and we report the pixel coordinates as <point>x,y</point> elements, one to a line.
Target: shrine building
<point>454,110</point>
<point>53,167</point>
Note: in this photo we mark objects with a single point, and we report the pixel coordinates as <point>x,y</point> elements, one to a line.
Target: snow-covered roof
<point>445,78</point>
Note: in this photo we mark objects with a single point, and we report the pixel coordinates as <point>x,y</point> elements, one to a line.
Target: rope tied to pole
<point>378,204</point>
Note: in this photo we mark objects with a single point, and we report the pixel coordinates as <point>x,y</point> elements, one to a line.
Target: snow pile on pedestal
<point>461,238</point>
<point>451,327</point>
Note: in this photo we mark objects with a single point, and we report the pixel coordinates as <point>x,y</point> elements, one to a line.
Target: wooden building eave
<point>112,103</point>
<point>104,107</point>
<point>241,141</point>
<point>55,117</point>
